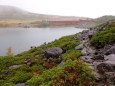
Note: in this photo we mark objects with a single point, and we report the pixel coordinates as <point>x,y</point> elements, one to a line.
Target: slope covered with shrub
<point>104,37</point>
<point>73,72</point>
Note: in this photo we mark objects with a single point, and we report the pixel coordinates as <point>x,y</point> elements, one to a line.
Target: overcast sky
<point>82,8</point>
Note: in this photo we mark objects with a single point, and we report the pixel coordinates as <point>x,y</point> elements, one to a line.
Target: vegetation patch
<point>105,37</point>
<point>42,73</point>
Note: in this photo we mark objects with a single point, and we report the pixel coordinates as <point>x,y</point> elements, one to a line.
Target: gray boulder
<point>107,66</point>
<point>110,76</point>
<point>84,52</point>
<point>87,59</point>
<point>98,57</point>
<point>91,33</point>
<point>111,50</point>
<point>79,47</point>
<point>110,57</point>
<point>54,52</point>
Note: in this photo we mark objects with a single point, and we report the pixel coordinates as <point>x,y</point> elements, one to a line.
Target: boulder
<point>79,47</point>
<point>98,57</point>
<point>110,51</point>
<point>87,59</point>
<point>110,57</point>
<point>107,66</point>
<point>84,52</point>
<point>91,33</point>
<point>54,52</point>
<point>83,35</point>
<point>110,76</point>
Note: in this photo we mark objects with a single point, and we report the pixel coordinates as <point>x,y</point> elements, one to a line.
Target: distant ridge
<point>95,22</point>
<point>11,12</point>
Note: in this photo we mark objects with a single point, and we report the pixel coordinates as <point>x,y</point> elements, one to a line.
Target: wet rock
<point>54,52</point>
<point>110,51</point>
<point>79,47</point>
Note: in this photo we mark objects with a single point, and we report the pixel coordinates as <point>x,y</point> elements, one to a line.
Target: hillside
<point>82,59</point>
<point>10,12</point>
<point>95,22</point>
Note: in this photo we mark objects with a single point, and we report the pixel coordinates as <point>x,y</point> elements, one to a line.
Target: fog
<point>83,8</point>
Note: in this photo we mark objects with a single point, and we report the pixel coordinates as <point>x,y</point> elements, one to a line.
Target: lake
<point>21,39</point>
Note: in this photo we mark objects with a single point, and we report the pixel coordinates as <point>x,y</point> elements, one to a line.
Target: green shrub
<point>37,68</point>
<point>18,77</point>
<point>103,38</point>
<point>72,54</point>
<point>23,67</point>
<point>66,43</point>
<point>8,84</point>
<point>5,62</point>
<point>63,76</point>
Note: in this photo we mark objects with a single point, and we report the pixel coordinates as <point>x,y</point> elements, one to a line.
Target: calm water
<point>22,39</point>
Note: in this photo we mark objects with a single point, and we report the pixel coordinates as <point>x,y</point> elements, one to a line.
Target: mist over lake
<point>21,39</point>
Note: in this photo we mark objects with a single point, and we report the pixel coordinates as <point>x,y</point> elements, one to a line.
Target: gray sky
<point>82,8</point>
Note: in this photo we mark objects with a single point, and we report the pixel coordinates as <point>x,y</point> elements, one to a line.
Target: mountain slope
<point>10,12</point>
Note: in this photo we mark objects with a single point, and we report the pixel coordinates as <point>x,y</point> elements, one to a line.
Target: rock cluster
<point>102,61</point>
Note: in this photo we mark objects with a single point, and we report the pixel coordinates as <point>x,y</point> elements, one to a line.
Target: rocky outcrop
<point>102,60</point>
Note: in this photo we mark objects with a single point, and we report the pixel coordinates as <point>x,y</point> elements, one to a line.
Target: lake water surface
<point>21,39</point>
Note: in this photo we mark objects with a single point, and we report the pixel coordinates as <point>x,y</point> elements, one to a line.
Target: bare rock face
<point>54,52</point>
